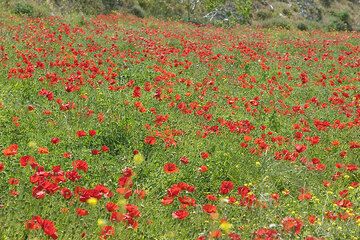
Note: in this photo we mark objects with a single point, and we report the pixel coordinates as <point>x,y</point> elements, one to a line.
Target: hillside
<point>288,14</point>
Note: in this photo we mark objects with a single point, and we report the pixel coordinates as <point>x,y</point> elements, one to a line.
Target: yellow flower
<point>138,158</point>
<point>92,201</point>
<point>258,164</point>
<point>32,144</point>
<point>226,226</point>
<point>101,222</point>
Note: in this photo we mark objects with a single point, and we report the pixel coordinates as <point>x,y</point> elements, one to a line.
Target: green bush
<point>338,25</point>
<point>137,11</point>
<point>326,3</point>
<point>277,23</point>
<point>30,9</point>
<point>287,12</point>
<point>344,16</point>
<point>302,27</point>
<point>24,9</point>
<point>341,22</point>
<point>263,15</point>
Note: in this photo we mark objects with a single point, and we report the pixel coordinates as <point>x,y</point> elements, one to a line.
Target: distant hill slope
<point>339,14</point>
<point>301,14</point>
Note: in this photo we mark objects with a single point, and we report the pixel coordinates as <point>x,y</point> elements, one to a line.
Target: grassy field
<point>125,128</point>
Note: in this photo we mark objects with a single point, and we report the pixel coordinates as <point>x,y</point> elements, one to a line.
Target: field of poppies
<point>123,128</point>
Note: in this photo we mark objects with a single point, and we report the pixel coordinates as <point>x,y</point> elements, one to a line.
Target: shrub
<point>277,23</point>
<point>30,9</point>
<point>326,3</point>
<point>338,25</point>
<point>263,15</point>
<point>341,22</point>
<point>24,9</point>
<point>287,12</point>
<point>137,11</point>
<point>302,27</point>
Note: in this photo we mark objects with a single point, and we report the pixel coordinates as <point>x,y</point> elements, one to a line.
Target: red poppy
<point>2,166</point>
<point>81,133</point>
<point>167,200</point>
<point>150,140</point>
<point>137,92</point>
<point>352,167</point>
<point>209,208</point>
<point>226,187</point>
<point>117,217</point>
<point>81,212</point>
<point>312,219</point>
<point>107,231</point>
<point>105,148</point>
<point>203,168</point>
<point>92,133</point>
<point>264,233</point>
<point>132,210</point>
<point>211,197</point>
<point>80,165</point>
<point>43,150</point>
<point>67,155</point>
<point>170,168</point>
<point>11,150</point>
<point>184,160</point>
<point>55,140</point>
<point>292,225</point>
<point>234,236</point>
<point>187,201</point>
<point>141,193</point>
<point>111,207</point>
<point>180,214</point>
<point>95,152</point>
<point>32,224</point>
<point>215,234</point>
<point>304,195</point>
<point>13,181</point>
<point>49,228</point>
<point>300,148</point>
<point>25,160</point>
<point>204,155</point>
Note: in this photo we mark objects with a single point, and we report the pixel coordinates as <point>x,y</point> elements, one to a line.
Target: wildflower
<point>55,140</point>
<point>138,158</point>
<point>292,225</point>
<point>32,144</point>
<point>81,212</point>
<point>203,168</point>
<point>150,140</point>
<point>180,214</point>
<point>92,133</point>
<point>225,226</point>
<point>226,187</point>
<point>11,150</point>
<point>209,208</point>
<point>92,201</point>
<point>101,222</point>
<point>170,168</point>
